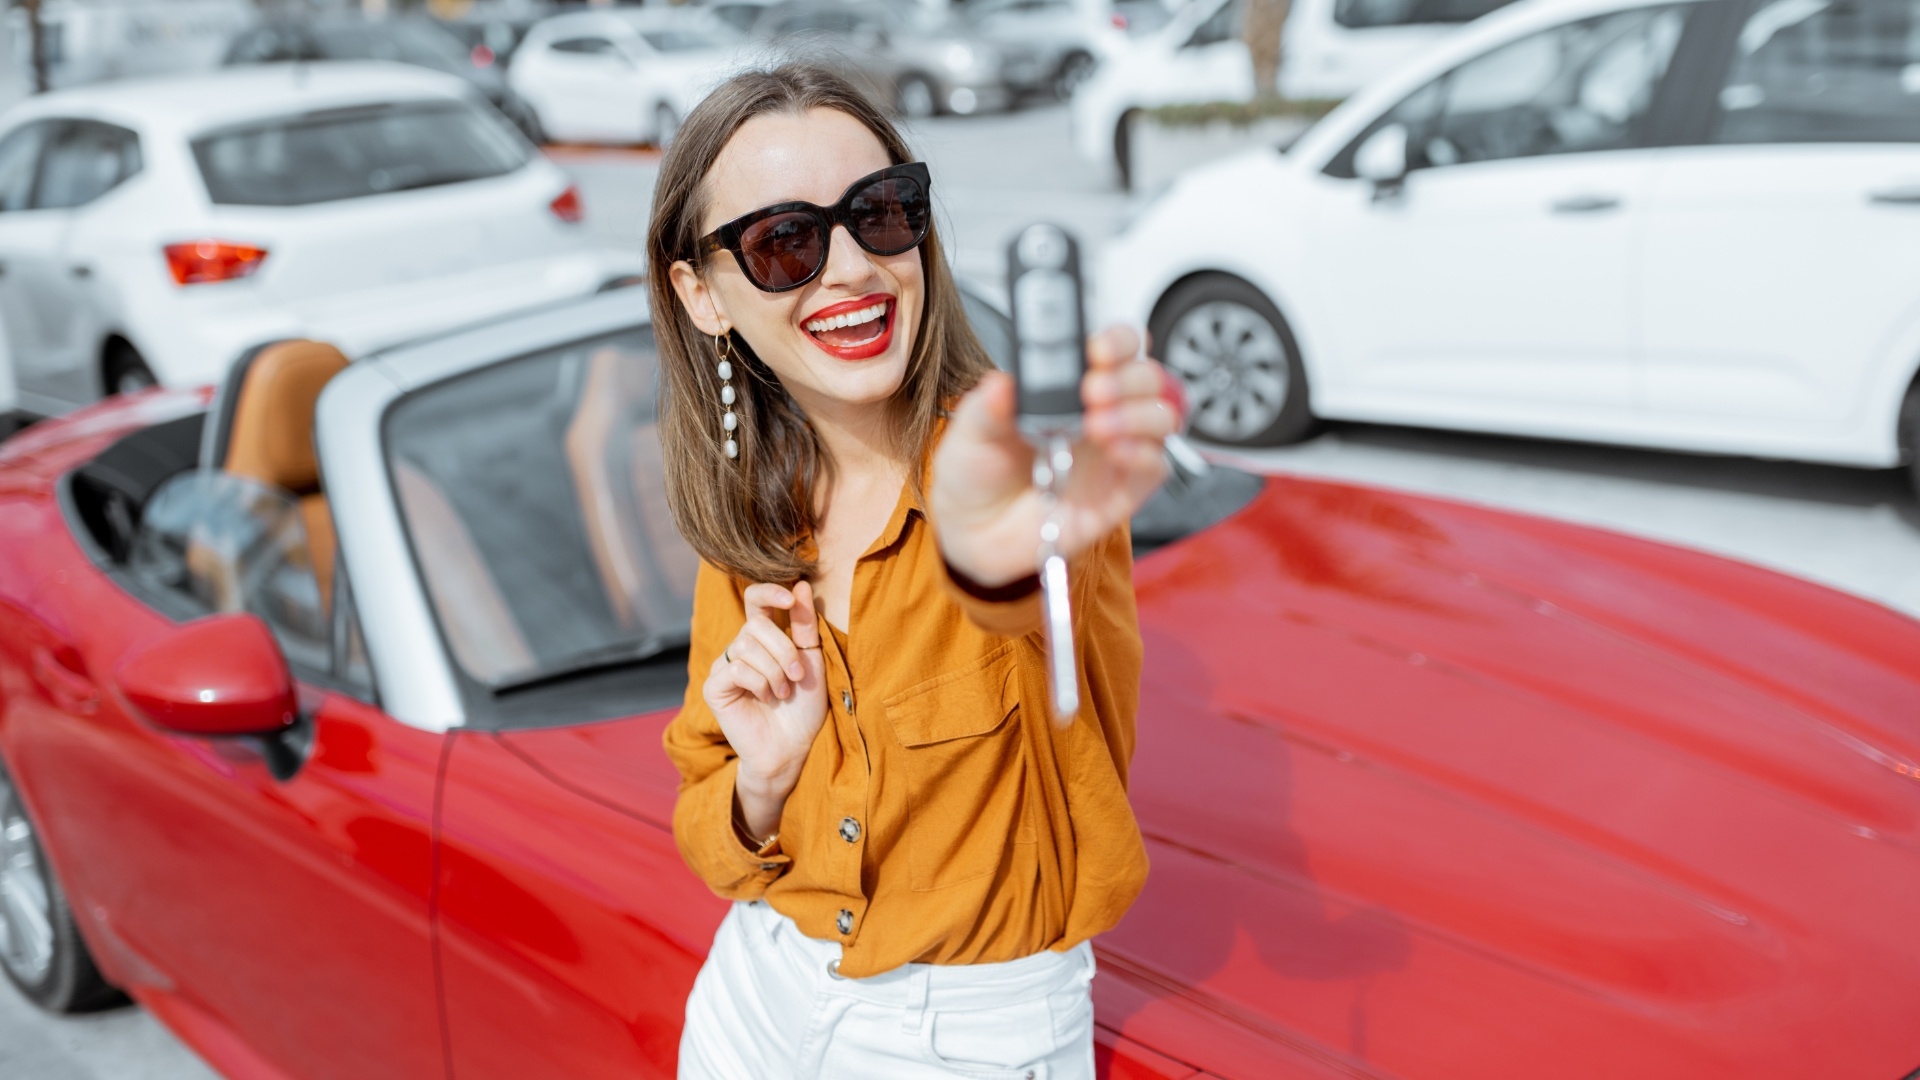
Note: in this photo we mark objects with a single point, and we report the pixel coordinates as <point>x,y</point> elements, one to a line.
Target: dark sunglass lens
<point>891,215</point>
<point>782,251</point>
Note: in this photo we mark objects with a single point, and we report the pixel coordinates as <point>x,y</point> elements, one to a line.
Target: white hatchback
<point>155,230</point>
<point>1689,225</point>
<point>627,75</point>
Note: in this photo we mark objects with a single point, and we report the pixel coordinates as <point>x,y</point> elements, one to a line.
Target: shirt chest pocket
<point>966,770</point>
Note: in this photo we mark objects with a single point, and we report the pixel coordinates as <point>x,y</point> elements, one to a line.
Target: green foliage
<point>1240,113</point>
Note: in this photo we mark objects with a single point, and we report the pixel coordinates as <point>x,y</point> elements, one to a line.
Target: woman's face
<point>813,156</point>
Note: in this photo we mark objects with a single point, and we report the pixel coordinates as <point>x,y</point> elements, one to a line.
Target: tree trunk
<point>1266,19</point>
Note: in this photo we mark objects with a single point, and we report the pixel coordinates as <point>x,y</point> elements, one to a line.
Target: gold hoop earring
<point>723,346</point>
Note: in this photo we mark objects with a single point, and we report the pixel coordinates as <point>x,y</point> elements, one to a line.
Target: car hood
<point>1431,790</point>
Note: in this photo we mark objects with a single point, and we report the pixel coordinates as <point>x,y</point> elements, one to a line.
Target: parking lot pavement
<point>117,1044</point>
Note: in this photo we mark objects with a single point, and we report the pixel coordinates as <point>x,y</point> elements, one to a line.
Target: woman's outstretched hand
<point>985,510</point>
<point>768,690</point>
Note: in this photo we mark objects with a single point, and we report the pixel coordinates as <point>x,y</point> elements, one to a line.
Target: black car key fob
<point>1049,328</point>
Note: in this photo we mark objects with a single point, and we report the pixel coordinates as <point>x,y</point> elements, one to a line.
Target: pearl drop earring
<point>724,347</point>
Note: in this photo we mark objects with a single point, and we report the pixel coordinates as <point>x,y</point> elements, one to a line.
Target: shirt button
<point>845,921</point>
<point>849,830</point>
<point>846,701</point>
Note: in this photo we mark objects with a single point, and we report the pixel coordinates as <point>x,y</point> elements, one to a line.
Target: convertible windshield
<point>535,499</point>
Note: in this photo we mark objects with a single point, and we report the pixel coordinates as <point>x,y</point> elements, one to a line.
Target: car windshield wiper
<point>618,655</point>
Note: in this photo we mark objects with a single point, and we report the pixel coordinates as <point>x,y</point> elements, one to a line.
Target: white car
<point>627,75</point>
<point>1331,48</point>
<point>155,230</point>
<point>1683,225</point>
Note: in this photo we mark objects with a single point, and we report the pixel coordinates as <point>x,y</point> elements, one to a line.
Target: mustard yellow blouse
<point>940,816</point>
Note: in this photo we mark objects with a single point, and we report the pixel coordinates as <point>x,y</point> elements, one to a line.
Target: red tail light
<point>481,56</point>
<point>1119,21</point>
<point>566,205</point>
<point>203,261</point>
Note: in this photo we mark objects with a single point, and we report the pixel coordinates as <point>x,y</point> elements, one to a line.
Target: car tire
<point>915,98</point>
<point>1238,359</point>
<point>1073,71</point>
<point>124,371</point>
<point>666,125</point>
<point>40,947</point>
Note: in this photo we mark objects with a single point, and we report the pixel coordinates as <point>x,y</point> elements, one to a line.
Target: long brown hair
<point>749,515</point>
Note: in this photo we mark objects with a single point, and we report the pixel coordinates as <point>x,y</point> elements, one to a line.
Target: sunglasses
<point>784,246</point>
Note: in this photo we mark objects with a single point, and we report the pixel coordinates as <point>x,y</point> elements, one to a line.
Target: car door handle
<point>80,270</point>
<point>58,671</point>
<point>1907,195</point>
<point>1585,204</point>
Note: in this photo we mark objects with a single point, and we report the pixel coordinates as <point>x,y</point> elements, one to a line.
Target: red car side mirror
<point>221,675</point>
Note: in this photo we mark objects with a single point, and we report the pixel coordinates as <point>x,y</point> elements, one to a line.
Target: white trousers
<point>769,1005</point>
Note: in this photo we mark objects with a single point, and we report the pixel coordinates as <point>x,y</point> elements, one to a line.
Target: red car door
<point>570,930</point>
<point>275,922</point>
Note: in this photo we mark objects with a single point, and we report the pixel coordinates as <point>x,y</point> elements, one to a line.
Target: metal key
<point>1051,471</point>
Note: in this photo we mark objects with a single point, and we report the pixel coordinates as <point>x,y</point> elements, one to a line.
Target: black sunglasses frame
<point>727,237</point>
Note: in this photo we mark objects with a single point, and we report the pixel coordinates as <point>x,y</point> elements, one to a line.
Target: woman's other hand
<point>985,510</point>
<point>768,691</point>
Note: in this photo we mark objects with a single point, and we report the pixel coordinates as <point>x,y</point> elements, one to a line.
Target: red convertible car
<point>333,738</point>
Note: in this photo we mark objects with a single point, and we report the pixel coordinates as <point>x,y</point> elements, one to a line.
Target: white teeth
<point>851,318</point>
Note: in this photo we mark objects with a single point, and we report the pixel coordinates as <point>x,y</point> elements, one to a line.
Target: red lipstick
<point>859,350</point>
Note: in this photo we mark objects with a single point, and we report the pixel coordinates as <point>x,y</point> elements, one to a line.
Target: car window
<point>83,161</point>
<point>351,153</point>
<point>586,46</point>
<point>534,496</point>
<point>1367,14</point>
<point>1221,26</point>
<point>682,40</point>
<point>1808,71</point>
<point>225,543</point>
<point>19,161</point>
<point>1583,87</point>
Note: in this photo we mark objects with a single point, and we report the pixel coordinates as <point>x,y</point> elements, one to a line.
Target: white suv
<point>155,230</point>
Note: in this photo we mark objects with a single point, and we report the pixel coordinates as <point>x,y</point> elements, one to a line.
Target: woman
<point>918,856</point>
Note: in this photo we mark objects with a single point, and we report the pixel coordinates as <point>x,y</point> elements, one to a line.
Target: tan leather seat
<point>270,435</point>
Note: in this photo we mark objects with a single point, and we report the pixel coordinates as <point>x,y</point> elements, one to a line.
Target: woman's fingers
<point>1112,347</point>
<point>804,624</point>
<point>752,649</point>
<point>764,599</point>
<point>1136,418</point>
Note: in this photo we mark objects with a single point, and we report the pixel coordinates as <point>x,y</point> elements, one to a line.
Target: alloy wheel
<point>26,908</point>
<point>1234,366</point>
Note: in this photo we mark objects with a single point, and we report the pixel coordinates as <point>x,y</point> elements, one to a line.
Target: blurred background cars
<point>623,75</point>
<point>154,230</point>
<point>923,60</point>
<point>1690,225</point>
<point>419,41</point>
<point>1331,48</point>
<point>1070,36</point>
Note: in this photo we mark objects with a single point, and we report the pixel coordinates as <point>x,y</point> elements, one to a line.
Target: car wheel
<point>916,98</point>
<point>1073,71</point>
<point>40,948</point>
<point>124,372</point>
<point>666,124</point>
<point>1237,357</point>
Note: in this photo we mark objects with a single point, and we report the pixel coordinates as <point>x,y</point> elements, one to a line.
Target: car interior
<point>223,511</point>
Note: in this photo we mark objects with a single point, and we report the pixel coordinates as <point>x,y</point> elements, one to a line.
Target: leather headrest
<point>271,435</point>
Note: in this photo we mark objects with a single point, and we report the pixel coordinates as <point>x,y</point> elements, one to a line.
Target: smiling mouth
<point>853,328</point>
